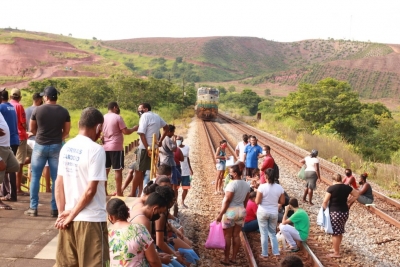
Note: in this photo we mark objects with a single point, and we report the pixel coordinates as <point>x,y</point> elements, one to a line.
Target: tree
<point>70,34</point>
<point>250,100</point>
<point>267,92</point>
<point>231,89</point>
<point>94,38</point>
<point>179,59</point>
<point>328,104</point>
<point>221,89</point>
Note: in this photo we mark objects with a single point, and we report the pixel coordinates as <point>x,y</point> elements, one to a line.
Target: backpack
<point>276,173</point>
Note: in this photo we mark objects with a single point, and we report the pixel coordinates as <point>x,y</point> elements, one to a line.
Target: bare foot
<point>333,255</point>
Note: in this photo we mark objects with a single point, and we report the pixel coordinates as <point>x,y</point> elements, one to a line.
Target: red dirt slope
<point>32,59</point>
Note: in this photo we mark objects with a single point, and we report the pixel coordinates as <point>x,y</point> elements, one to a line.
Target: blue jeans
<point>267,223</point>
<point>250,226</point>
<point>41,154</point>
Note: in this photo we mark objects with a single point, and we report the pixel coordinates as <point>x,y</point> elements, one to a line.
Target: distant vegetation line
<point>220,59</point>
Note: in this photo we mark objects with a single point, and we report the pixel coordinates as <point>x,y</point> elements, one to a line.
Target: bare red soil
<point>31,58</point>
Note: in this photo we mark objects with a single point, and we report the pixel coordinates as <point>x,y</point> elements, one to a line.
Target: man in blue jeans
<point>50,123</point>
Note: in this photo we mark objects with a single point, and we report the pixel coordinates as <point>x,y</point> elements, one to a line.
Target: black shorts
<point>115,159</point>
<point>144,161</point>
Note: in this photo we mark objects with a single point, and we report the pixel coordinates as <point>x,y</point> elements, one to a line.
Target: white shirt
<point>310,163</point>
<point>5,139</point>
<point>271,194</point>
<point>82,161</point>
<point>150,124</point>
<point>240,146</point>
<point>184,164</point>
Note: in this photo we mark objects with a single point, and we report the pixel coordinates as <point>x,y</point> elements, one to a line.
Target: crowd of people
<point>147,233</point>
<point>255,201</point>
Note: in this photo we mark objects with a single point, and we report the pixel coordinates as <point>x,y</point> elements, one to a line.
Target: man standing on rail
<point>149,124</point>
<point>252,153</point>
<point>81,197</point>
<point>114,129</point>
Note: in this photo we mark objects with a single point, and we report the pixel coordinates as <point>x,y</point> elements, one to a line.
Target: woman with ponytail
<point>130,244</point>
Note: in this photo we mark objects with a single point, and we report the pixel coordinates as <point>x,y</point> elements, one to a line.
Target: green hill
<point>370,68</point>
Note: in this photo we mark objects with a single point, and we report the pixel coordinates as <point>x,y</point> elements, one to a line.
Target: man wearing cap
<point>23,150</point>
<point>9,187</point>
<point>51,124</point>
<point>37,101</point>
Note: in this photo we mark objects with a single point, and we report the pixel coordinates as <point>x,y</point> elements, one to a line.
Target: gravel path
<point>368,241</point>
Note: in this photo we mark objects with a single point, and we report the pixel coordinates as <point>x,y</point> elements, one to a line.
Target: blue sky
<point>278,20</point>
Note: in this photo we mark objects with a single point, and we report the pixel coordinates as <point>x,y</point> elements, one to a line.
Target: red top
<point>267,163</point>
<point>353,184</point>
<point>19,109</point>
<point>251,211</point>
<point>177,156</point>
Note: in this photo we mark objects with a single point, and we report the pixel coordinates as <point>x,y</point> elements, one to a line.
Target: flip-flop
<point>334,256</point>
<point>225,263</point>
<point>291,249</point>
<point>8,199</point>
<point>5,207</point>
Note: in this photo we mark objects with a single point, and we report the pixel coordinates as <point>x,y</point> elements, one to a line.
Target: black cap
<point>50,92</point>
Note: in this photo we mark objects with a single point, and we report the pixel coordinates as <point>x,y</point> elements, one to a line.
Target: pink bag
<point>216,237</point>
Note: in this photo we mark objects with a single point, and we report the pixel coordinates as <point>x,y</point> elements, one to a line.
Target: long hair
<point>270,174</point>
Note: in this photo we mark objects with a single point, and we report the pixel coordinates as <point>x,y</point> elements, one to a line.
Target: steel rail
<point>243,238</point>
<point>372,209</point>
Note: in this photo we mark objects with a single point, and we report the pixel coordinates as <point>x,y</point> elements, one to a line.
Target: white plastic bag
<point>281,240</point>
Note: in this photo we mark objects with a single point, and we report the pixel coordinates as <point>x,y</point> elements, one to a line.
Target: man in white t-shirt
<point>149,124</point>
<point>81,197</point>
<point>239,150</point>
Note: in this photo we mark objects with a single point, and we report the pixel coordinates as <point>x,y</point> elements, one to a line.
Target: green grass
<point>63,55</point>
<point>330,148</point>
<point>6,79</point>
<point>7,36</point>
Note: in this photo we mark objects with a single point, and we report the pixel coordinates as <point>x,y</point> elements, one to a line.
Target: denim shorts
<point>220,166</point>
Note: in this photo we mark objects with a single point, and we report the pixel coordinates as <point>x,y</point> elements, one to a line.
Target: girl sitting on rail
<point>366,196</point>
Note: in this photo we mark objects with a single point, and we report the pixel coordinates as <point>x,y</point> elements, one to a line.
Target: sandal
<point>5,207</point>
<point>225,263</point>
<point>293,249</point>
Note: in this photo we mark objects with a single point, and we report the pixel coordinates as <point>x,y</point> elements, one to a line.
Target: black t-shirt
<point>50,121</point>
<point>339,194</point>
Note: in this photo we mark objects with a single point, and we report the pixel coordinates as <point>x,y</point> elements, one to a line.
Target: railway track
<point>385,207</point>
<point>251,242</point>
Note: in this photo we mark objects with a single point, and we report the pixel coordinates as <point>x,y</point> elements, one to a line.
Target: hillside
<point>371,68</point>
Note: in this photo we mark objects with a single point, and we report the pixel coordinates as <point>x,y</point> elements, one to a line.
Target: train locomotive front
<point>207,103</point>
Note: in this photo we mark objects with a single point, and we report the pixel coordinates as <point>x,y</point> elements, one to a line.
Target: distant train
<point>207,103</point>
